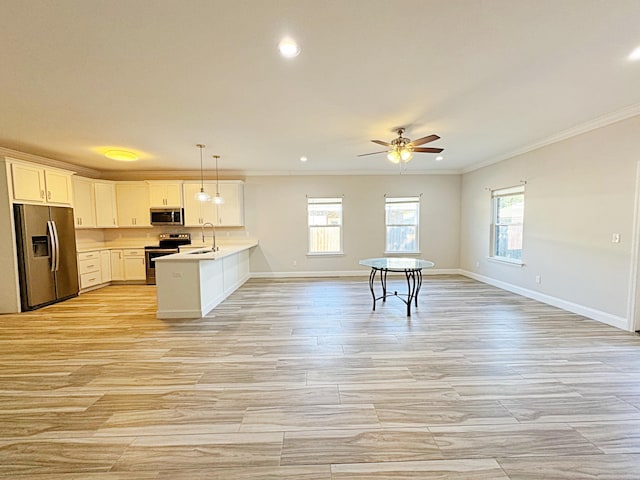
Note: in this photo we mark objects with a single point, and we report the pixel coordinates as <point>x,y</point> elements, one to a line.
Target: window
<point>402,219</point>
<point>507,226</point>
<point>325,225</point>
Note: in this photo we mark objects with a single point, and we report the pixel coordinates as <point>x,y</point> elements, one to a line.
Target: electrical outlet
<point>477,264</point>
<point>295,263</point>
<point>615,238</point>
<point>538,279</point>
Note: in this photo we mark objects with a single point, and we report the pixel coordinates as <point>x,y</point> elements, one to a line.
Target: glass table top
<point>396,263</point>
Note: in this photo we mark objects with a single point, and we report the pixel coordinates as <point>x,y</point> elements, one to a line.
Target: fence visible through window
<point>324,217</point>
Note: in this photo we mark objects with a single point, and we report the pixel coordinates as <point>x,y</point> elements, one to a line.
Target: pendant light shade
<point>202,195</point>
<point>218,200</point>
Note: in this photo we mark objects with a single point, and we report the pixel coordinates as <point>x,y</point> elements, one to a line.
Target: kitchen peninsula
<point>190,284</point>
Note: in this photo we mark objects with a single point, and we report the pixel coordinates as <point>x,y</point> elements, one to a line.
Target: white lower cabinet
<point>94,268</point>
<point>127,264</point>
<point>134,268</point>
<point>117,265</point>
<point>105,266</point>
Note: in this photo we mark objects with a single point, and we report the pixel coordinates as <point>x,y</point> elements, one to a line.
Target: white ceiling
<point>491,77</point>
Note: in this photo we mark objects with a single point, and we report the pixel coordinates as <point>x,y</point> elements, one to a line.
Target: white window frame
<point>397,200</point>
<point>310,228</point>
<point>495,195</point>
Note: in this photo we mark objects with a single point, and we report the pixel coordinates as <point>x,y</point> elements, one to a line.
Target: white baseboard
<point>600,316</point>
<point>345,273</point>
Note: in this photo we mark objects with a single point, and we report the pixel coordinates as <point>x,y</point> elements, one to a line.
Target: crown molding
<point>50,162</point>
<point>599,122</point>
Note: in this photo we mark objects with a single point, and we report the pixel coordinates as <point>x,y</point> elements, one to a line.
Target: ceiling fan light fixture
<point>393,156</point>
<point>406,155</point>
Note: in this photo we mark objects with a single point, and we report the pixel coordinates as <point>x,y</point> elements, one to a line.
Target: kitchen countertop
<point>225,251</point>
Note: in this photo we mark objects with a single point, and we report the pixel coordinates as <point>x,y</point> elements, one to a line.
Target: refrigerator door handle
<point>53,238</point>
<point>55,234</point>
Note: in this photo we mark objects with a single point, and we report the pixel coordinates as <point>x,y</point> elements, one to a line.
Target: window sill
<point>506,261</point>
<point>327,254</point>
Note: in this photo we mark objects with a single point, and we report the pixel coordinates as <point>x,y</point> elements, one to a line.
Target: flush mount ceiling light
<point>121,155</point>
<point>439,158</point>
<point>202,195</point>
<point>303,159</point>
<point>218,200</point>
<point>635,55</point>
<point>288,48</point>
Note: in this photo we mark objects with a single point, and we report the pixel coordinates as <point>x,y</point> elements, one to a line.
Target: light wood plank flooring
<point>299,379</point>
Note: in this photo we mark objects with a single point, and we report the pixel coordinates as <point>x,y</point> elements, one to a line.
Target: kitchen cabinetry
<point>196,212</point>
<point>132,204</point>
<point>34,183</point>
<point>165,194</point>
<point>84,205</point>
<point>105,266</point>
<point>94,268</point>
<point>231,212</point>
<point>117,265</point>
<point>228,214</point>
<point>134,268</point>
<point>105,198</point>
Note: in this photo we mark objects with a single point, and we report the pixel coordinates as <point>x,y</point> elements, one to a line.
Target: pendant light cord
<point>217,176</point>
<point>201,146</point>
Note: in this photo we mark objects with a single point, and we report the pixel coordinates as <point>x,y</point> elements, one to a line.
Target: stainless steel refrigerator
<point>46,254</point>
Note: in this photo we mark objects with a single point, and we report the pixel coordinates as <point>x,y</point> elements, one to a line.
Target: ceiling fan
<point>401,149</point>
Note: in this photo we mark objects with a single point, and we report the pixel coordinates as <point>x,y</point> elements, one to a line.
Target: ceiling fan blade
<point>380,142</point>
<point>428,150</point>
<point>374,153</point>
<point>423,140</point>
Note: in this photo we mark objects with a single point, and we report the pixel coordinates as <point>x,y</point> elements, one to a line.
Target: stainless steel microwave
<point>167,216</point>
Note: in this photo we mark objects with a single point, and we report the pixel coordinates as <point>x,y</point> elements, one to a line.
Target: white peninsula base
<point>190,285</point>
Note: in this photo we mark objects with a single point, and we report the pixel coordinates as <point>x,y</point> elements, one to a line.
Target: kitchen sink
<point>200,252</point>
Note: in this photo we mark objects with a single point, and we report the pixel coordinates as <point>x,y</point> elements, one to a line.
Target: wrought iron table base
<point>414,283</point>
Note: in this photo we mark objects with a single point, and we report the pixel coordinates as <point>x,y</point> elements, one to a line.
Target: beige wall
<point>578,193</point>
<point>275,209</point>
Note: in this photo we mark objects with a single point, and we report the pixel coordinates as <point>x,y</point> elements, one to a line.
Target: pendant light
<point>218,200</point>
<point>202,195</point>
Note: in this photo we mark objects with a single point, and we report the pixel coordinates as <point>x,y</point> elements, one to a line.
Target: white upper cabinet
<point>84,205</point>
<point>196,212</point>
<point>165,194</point>
<point>37,184</point>
<point>133,204</point>
<point>105,197</point>
<point>229,214</point>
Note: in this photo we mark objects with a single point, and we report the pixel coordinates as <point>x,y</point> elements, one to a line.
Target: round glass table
<point>412,268</point>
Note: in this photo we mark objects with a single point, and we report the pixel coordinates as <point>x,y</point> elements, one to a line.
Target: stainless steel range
<point>169,243</point>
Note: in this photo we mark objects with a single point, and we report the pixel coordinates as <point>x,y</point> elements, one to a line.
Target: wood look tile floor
<point>300,379</point>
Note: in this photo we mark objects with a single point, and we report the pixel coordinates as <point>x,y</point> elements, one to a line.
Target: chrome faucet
<point>213,228</point>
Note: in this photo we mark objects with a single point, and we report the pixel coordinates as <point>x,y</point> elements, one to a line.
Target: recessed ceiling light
<point>288,48</point>
<point>121,155</point>
<point>635,55</point>
<point>303,159</point>
<point>439,158</point>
